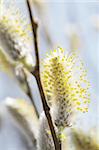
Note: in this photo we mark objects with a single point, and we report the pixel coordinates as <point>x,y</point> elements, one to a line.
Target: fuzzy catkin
<point>45,141</point>
<point>25,115</point>
<point>65,85</point>
<point>15,37</point>
<point>84,141</point>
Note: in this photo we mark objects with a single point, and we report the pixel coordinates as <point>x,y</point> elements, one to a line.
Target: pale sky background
<point>62,18</point>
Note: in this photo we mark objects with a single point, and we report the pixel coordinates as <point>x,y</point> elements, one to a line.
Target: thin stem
<point>36,73</point>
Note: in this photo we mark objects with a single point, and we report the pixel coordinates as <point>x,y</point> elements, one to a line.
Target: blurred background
<point>72,25</point>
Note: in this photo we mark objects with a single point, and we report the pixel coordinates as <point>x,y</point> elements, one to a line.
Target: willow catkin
<point>15,36</point>
<point>84,141</point>
<point>65,85</point>
<point>45,141</point>
<point>24,115</point>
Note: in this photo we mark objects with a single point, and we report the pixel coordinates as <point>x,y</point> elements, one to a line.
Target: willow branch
<point>36,73</point>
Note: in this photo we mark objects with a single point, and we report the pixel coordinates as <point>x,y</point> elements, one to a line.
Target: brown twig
<point>36,73</point>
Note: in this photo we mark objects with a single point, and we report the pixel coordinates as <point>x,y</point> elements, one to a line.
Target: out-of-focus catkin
<point>84,141</point>
<point>25,116</point>
<point>65,85</point>
<point>15,37</point>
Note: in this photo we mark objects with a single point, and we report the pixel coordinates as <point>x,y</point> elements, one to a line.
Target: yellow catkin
<point>65,83</point>
<point>15,33</point>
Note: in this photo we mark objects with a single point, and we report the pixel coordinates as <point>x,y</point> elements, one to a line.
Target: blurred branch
<point>36,73</point>
<point>17,70</point>
<point>29,92</point>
